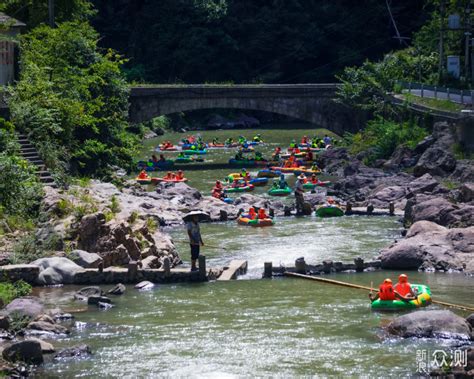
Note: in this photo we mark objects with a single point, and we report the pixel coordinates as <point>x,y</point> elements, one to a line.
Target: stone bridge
<point>308,102</point>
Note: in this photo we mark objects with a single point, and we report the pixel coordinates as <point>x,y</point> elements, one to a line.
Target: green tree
<point>73,99</point>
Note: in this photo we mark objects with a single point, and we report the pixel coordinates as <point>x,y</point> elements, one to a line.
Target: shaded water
<point>257,327</point>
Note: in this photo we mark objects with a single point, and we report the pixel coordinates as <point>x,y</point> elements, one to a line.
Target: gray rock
<point>144,286</point>
<point>43,327</point>
<point>95,300</point>
<point>428,244</point>
<point>29,305</point>
<point>430,324</point>
<point>467,192</point>
<point>4,322</point>
<point>27,273</point>
<point>87,292</point>
<point>425,183</point>
<point>46,347</point>
<point>470,320</point>
<point>85,259</point>
<point>435,161</point>
<point>24,351</point>
<point>80,351</point>
<point>151,262</point>
<point>56,270</point>
<point>119,289</point>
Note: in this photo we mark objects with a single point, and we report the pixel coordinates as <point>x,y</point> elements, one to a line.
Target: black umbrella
<point>203,216</point>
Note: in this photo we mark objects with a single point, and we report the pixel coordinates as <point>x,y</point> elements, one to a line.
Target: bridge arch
<point>312,103</point>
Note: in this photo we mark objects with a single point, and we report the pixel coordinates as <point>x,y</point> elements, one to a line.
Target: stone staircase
<point>29,152</point>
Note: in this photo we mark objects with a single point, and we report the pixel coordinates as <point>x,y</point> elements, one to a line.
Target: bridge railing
<point>437,92</point>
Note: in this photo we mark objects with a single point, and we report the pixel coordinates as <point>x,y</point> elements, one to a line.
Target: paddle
<point>345,284</point>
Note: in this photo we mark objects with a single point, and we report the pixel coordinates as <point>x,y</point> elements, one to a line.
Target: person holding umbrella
<point>192,220</point>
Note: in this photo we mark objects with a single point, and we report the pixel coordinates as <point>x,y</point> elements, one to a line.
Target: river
<point>253,327</point>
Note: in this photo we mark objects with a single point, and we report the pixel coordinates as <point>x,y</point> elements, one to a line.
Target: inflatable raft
<point>311,186</point>
<point>158,180</point>
<point>258,181</point>
<point>239,189</point>
<point>143,181</point>
<point>268,174</point>
<point>329,211</point>
<point>168,148</point>
<point>255,223</point>
<point>192,152</point>
<point>422,300</point>
<point>279,191</point>
<point>306,171</point>
<point>150,166</point>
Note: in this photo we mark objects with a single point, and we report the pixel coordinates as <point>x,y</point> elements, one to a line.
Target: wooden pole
<point>351,285</point>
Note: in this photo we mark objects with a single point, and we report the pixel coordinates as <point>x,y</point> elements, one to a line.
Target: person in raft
<point>143,175</point>
<point>387,292</point>
<point>404,288</point>
<point>180,175</point>
<point>282,183</point>
<point>261,214</point>
<point>252,213</point>
<point>169,175</point>
<point>195,240</point>
<point>162,158</point>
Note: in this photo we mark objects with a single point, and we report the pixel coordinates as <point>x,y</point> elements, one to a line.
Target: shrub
<point>10,291</point>
<point>381,137</point>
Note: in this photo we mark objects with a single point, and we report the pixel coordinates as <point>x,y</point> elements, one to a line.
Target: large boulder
<point>431,324</point>
<point>425,183</point>
<point>85,259</point>
<point>27,351</point>
<point>30,306</point>
<point>45,327</point>
<point>467,192</point>
<point>56,270</point>
<point>429,245</point>
<point>435,161</point>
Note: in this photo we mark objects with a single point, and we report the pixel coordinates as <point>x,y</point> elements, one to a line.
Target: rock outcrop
<point>27,351</point>
<point>431,246</point>
<point>56,270</point>
<point>431,324</point>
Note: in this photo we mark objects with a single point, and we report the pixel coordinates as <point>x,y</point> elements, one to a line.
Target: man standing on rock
<point>195,240</point>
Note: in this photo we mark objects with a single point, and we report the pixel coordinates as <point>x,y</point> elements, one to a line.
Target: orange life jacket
<point>252,214</point>
<point>143,175</point>
<point>386,292</point>
<point>403,288</point>
<point>261,214</point>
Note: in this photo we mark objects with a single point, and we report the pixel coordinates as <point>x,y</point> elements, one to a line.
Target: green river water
<point>250,327</point>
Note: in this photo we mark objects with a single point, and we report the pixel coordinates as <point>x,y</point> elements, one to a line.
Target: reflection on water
<point>257,327</point>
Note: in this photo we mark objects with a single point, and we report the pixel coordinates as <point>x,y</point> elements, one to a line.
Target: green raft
<point>183,160</point>
<point>422,300</point>
<point>238,189</point>
<point>279,191</point>
<point>329,211</point>
<point>192,152</point>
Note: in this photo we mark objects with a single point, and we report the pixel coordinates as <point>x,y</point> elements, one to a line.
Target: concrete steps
<point>29,152</point>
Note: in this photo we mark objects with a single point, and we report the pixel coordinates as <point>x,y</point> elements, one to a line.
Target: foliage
<point>366,86</point>
<point>381,137</point>
<point>35,12</point>
<point>19,321</point>
<point>10,291</point>
<point>20,191</point>
<point>73,100</point>
<point>28,248</point>
<point>151,224</point>
<point>250,41</point>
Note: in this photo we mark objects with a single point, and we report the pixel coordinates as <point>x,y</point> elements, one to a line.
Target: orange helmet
<point>403,278</point>
<point>388,281</point>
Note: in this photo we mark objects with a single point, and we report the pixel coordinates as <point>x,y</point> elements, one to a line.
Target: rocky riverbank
<point>432,187</point>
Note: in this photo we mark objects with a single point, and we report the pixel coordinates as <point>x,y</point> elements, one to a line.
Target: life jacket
<point>386,292</point>
<point>261,214</point>
<point>252,214</point>
<point>403,288</point>
<point>143,175</point>
<point>180,175</point>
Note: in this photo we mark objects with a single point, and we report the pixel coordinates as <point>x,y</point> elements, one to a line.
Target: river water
<point>251,327</point>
